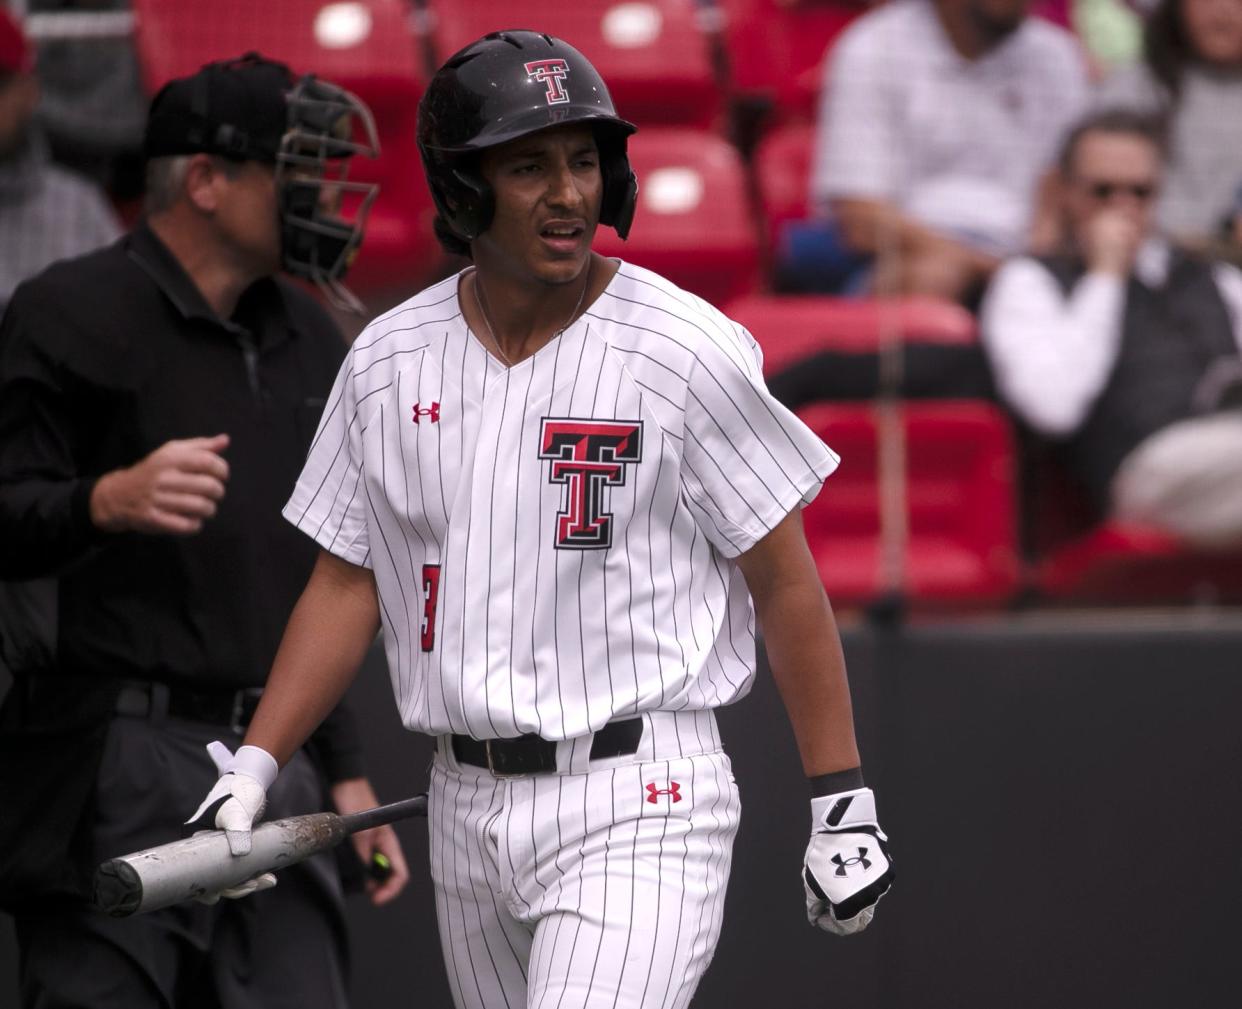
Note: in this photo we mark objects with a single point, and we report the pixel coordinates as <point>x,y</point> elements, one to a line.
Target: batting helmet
<point>507,85</point>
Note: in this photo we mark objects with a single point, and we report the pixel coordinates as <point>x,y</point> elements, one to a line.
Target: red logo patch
<point>551,73</point>
<point>673,790</point>
<point>432,411</point>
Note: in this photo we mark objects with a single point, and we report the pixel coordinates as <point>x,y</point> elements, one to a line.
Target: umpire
<point>157,399</point>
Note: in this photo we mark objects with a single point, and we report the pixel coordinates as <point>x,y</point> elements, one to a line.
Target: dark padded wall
<point>1064,806</point>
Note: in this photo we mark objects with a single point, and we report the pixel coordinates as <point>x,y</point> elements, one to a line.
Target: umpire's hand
<point>172,491</point>
<point>378,848</point>
<point>847,867</point>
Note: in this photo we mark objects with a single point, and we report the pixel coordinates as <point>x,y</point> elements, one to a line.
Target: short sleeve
<point>747,461</point>
<point>329,500</point>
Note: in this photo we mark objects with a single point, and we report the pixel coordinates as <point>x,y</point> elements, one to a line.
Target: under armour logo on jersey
<point>550,73</point>
<point>654,793</point>
<point>843,863</point>
<point>433,412</point>
<point>588,456</point>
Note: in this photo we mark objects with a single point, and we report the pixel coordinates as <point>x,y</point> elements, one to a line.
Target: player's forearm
<point>804,652</point>
<point>803,647</point>
<point>327,637</point>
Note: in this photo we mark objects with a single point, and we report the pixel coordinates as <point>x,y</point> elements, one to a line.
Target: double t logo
<point>551,73</point>
<point>587,456</point>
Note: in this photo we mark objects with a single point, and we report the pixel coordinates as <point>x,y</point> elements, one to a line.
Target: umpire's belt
<point>232,708</point>
<point>532,754</point>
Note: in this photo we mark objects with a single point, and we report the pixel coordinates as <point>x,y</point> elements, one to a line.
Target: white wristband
<point>255,762</point>
<point>843,810</point>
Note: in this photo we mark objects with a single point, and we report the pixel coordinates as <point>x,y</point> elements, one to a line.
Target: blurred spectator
<point>937,121</point>
<point>1192,74</point>
<point>1125,348</point>
<point>46,213</point>
<point>94,105</point>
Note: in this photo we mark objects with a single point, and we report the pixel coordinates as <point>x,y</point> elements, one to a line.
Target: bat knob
<point>118,888</point>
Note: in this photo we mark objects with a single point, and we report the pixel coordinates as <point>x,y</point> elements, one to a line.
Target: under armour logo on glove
<point>847,867</point>
<point>673,791</point>
<point>843,863</point>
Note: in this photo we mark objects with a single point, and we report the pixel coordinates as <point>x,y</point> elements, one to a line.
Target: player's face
<point>248,216</point>
<point>548,191</point>
<point>1112,171</point>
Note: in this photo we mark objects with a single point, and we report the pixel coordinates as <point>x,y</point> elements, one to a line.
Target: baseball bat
<point>182,870</point>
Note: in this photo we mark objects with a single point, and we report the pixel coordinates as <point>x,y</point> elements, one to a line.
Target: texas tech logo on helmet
<point>550,73</point>
<point>587,456</point>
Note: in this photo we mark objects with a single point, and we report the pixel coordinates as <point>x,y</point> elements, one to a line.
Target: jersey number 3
<point>431,596</point>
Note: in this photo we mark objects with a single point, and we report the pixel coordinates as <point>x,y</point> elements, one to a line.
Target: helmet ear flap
<point>465,202</point>
<point>474,211</point>
<point>620,200</point>
<point>620,185</point>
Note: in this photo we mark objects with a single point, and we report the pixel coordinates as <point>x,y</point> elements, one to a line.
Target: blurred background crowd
<point>970,235</point>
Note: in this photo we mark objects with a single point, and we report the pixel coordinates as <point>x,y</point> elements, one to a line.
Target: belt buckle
<point>491,763</point>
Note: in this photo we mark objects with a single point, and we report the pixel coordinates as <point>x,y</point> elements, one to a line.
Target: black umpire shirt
<point>102,360</point>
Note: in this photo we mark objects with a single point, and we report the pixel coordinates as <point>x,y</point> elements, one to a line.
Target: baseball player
<point>557,482</point>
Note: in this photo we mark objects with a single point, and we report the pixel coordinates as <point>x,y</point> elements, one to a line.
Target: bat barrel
<point>170,873</point>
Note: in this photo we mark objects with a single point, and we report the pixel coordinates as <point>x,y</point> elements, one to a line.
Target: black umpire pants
<point>281,948</point>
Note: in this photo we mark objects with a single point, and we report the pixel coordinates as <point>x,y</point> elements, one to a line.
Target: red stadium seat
<point>653,54</point>
<point>693,223</point>
<point>959,508</point>
<point>1122,563</point>
<point>370,49</point>
<point>792,327</point>
<point>782,166</point>
<point>776,48</point>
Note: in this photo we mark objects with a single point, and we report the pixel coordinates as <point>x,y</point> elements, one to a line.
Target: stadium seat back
<point>693,224</point>
<point>776,49</point>
<point>782,166</point>
<point>790,328</point>
<point>959,543</point>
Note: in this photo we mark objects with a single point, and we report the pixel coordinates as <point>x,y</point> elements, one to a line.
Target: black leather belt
<point>231,708</point>
<point>532,754</point>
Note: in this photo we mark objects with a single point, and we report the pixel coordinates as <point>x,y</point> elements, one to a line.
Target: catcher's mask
<point>326,126</point>
<point>254,109</point>
<point>507,85</point>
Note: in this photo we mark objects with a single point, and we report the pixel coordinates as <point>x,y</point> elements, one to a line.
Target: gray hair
<point>165,180</point>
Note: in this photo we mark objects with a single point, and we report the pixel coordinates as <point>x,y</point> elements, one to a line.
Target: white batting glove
<point>236,801</point>
<point>847,867</point>
<point>264,882</point>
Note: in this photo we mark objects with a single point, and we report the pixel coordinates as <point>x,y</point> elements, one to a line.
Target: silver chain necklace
<point>491,331</point>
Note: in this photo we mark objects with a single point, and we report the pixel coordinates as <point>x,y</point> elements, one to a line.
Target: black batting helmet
<point>506,85</point>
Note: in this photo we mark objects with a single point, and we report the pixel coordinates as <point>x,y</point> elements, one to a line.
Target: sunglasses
<point>1102,191</point>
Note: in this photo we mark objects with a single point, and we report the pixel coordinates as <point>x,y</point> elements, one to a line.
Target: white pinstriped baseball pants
<point>600,885</point>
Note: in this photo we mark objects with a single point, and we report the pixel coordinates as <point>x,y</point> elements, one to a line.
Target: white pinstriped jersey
<point>553,542</point>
